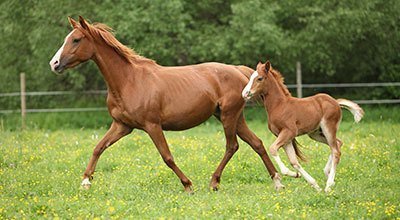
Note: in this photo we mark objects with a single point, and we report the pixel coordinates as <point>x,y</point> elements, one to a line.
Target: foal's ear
<point>267,66</point>
<point>73,23</point>
<point>83,23</point>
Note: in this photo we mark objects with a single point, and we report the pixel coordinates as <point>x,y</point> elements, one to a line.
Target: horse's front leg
<point>157,136</point>
<point>116,131</point>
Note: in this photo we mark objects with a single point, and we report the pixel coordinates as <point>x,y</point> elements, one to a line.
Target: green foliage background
<point>336,41</point>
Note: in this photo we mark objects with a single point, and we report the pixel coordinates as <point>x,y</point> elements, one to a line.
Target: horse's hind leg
<point>289,149</point>
<point>250,138</point>
<point>157,136</point>
<point>115,132</point>
<point>229,120</point>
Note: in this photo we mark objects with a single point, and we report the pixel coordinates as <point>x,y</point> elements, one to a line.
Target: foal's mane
<point>280,80</point>
<point>105,33</point>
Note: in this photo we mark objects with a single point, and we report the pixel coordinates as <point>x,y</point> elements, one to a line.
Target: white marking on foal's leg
<point>284,170</point>
<point>293,160</point>
<point>86,183</point>
<point>246,90</point>
<point>331,178</point>
<point>308,177</point>
<point>328,165</point>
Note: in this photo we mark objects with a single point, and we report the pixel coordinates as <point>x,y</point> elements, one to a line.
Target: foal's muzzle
<point>247,95</point>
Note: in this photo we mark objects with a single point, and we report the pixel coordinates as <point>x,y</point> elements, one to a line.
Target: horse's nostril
<point>56,62</point>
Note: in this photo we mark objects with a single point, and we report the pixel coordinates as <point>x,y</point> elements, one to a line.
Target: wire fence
<point>299,86</point>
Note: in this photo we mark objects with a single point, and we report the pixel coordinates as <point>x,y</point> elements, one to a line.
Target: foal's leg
<point>329,131</point>
<point>250,138</point>
<point>321,138</point>
<point>284,137</point>
<point>116,131</point>
<point>157,136</point>
<point>229,121</point>
<point>289,149</point>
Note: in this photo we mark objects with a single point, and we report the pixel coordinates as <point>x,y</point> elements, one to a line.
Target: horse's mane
<point>280,80</point>
<point>106,33</point>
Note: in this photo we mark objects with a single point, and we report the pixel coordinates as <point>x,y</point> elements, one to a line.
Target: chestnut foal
<point>318,116</point>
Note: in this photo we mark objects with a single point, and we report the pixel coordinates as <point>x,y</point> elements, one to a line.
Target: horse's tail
<point>247,71</point>
<point>355,109</point>
<point>299,154</point>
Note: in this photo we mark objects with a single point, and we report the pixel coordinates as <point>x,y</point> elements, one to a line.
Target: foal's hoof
<point>86,184</point>
<point>316,187</point>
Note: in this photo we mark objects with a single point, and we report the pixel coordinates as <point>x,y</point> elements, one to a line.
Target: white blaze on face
<point>246,90</point>
<point>55,61</point>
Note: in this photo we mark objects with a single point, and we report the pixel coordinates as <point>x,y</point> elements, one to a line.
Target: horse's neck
<point>116,70</point>
<point>274,97</point>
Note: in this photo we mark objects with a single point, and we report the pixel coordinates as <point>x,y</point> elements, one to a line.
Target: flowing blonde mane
<point>105,32</point>
<point>280,80</point>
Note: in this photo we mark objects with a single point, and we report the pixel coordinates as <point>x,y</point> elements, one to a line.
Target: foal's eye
<point>76,40</point>
<point>260,79</point>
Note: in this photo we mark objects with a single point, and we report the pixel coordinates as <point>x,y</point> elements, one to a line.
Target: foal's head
<point>78,47</point>
<point>258,81</point>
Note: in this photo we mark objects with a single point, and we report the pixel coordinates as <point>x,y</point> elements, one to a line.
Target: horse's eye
<point>76,40</point>
<point>260,79</point>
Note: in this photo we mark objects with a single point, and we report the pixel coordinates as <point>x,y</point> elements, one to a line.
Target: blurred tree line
<point>335,41</point>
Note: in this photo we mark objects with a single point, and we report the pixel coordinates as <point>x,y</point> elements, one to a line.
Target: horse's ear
<point>73,23</point>
<point>267,66</point>
<point>83,23</point>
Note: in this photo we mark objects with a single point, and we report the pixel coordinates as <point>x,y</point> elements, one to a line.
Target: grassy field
<point>41,168</point>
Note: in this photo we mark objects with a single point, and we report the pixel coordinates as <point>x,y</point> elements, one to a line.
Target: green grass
<point>41,168</point>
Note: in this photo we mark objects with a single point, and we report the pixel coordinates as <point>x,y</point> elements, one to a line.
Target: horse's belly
<point>187,115</point>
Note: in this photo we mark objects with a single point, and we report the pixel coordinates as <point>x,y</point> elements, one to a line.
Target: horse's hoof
<point>298,175</point>
<point>214,185</point>
<point>86,184</point>
<point>279,187</point>
<point>189,189</point>
<point>277,181</point>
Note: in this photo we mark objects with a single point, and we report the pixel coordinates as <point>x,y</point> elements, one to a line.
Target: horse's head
<point>257,81</point>
<point>77,48</point>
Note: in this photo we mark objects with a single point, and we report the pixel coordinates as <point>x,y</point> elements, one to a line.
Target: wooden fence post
<point>298,80</point>
<point>23,99</point>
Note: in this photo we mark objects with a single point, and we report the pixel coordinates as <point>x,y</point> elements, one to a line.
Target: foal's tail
<point>299,154</point>
<point>355,109</point>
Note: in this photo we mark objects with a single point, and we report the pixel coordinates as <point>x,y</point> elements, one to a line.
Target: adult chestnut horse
<point>318,116</point>
<point>153,98</point>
